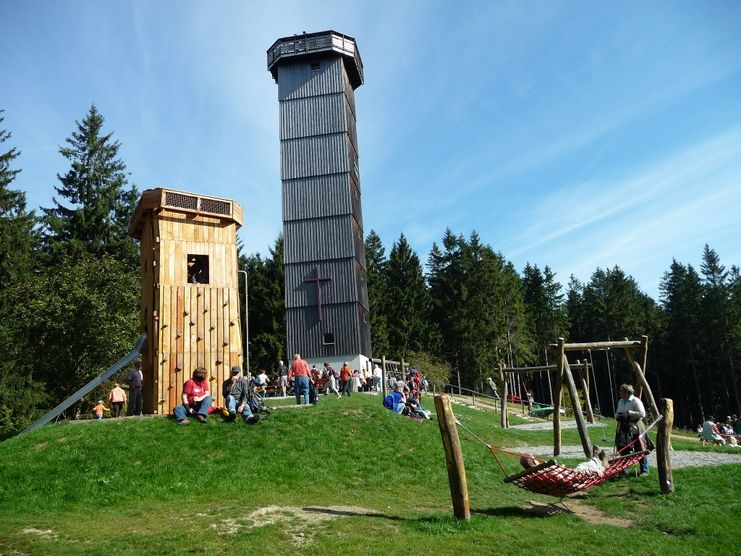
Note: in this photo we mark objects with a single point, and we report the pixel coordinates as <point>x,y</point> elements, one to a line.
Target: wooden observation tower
<point>189,304</point>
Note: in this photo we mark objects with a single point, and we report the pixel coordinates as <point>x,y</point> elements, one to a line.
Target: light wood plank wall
<point>188,325</point>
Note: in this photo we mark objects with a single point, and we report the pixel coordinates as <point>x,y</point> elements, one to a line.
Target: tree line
<point>70,282</point>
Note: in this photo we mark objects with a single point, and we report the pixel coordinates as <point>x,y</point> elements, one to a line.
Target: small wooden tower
<point>190,305</point>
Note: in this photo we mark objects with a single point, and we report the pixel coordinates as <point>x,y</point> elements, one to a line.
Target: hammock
<point>552,478</point>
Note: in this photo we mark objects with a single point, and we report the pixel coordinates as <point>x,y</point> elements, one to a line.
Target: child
<point>99,409</point>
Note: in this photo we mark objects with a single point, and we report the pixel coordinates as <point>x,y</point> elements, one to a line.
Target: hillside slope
<point>346,476</point>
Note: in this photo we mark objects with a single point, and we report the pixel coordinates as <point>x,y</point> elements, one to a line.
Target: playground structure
<point>550,477</point>
<point>190,295</point>
<point>540,411</point>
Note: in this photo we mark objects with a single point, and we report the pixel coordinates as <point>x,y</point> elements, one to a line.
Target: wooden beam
<point>557,385</point>
<point>648,394</point>
<point>581,425</point>
<point>599,345</point>
<point>503,418</point>
<point>453,457</point>
<point>583,377</point>
<point>663,445</point>
<point>542,368</point>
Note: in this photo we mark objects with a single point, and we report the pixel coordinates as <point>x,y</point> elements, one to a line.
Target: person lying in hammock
<point>596,464</point>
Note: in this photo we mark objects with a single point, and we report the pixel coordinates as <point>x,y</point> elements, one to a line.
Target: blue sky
<point>568,134</point>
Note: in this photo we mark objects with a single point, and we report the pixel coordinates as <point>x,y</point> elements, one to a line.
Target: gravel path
<point>679,458</point>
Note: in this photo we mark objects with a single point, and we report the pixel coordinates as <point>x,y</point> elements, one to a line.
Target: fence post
<point>453,458</point>
<point>383,375</point>
<point>663,442</point>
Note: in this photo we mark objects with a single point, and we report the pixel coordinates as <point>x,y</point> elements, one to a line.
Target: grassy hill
<point>344,477</point>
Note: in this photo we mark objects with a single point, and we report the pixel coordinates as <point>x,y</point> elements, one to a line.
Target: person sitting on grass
<point>415,408</point>
<point>236,395</point>
<point>396,400</point>
<point>197,399</point>
<point>710,432</point>
<point>99,409</point>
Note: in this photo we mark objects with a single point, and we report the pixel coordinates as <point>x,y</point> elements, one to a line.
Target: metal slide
<point>97,381</point>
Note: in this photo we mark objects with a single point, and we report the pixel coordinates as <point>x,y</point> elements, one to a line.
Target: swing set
<point>550,477</point>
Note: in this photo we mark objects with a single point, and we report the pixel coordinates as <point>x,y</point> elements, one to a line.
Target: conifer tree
<point>20,389</point>
<point>718,337</point>
<point>681,342</point>
<point>267,313</point>
<point>410,328</point>
<point>375,258</point>
<point>95,203</point>
<point>17,238</point>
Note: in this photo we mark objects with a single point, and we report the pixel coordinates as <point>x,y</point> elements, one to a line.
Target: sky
<point>570,134</point>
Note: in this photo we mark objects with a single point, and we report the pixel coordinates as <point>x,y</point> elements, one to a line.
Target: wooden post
<point>505,423</point>
<point>642,360</point>
<point>560,358</point>
<point>459,383</point>
<point>383,375</point>
<point>453,458</point>
<point>581,425</point>
<point>663,445</point>
<point>584,377</point>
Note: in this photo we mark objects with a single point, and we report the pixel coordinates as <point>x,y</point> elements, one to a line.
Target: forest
<point>69,308</point>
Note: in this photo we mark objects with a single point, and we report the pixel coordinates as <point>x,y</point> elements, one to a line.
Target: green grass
<point>150,487</point>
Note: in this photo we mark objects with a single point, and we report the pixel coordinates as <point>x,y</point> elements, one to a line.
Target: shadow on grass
<point>536,509</point>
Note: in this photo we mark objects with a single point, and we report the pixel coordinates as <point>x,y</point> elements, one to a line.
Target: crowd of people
<point>722,432</point>
<point>243,395</point>
<point>405,395</point>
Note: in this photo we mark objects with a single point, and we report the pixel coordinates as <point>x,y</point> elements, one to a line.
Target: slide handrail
<point>97,381</point>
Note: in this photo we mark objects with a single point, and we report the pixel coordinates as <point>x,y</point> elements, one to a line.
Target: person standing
<point>283,377</point>
<point>299,373</point>
<point>331,378</point>
<point>377,377</point>
<point>99,409</point>
<point>135,380</point>
<point>117,399</point>
<point>345,378</point>
<point>197,399</point>
<point>629,416</point>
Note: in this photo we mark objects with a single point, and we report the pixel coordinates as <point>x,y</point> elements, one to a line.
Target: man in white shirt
<point>377,376</point>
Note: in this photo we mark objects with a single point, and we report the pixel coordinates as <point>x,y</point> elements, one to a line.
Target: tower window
<point>315,66</point>
<point>198,269</point>
<point>328,338</point>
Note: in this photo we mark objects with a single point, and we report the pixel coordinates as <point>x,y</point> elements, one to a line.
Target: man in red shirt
<point>197,399</point>
<point>301,377</point>
<point>346,378</point>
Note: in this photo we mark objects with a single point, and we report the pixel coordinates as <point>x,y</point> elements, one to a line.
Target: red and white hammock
<point>550,477</point>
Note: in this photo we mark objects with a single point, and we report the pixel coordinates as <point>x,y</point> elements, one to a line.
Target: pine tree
<point>97,218</point>
<point>267,312</point>
<point>375,258</point>
<point>717,341</point>
<point>20,389</point>
<point>575,309</point>
<point>17,238</point>
<point>680,344</point>
<point>410,328</point>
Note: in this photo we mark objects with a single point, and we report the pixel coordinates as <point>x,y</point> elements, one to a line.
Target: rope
<point>492,449</point>
<point>644,433</point>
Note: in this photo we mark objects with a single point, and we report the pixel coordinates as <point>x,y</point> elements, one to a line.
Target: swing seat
<point>552,478</point>
<point>543,412</point>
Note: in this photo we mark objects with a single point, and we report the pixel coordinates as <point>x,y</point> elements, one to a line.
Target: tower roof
<point>154,200</point>
<point>318,45</point>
